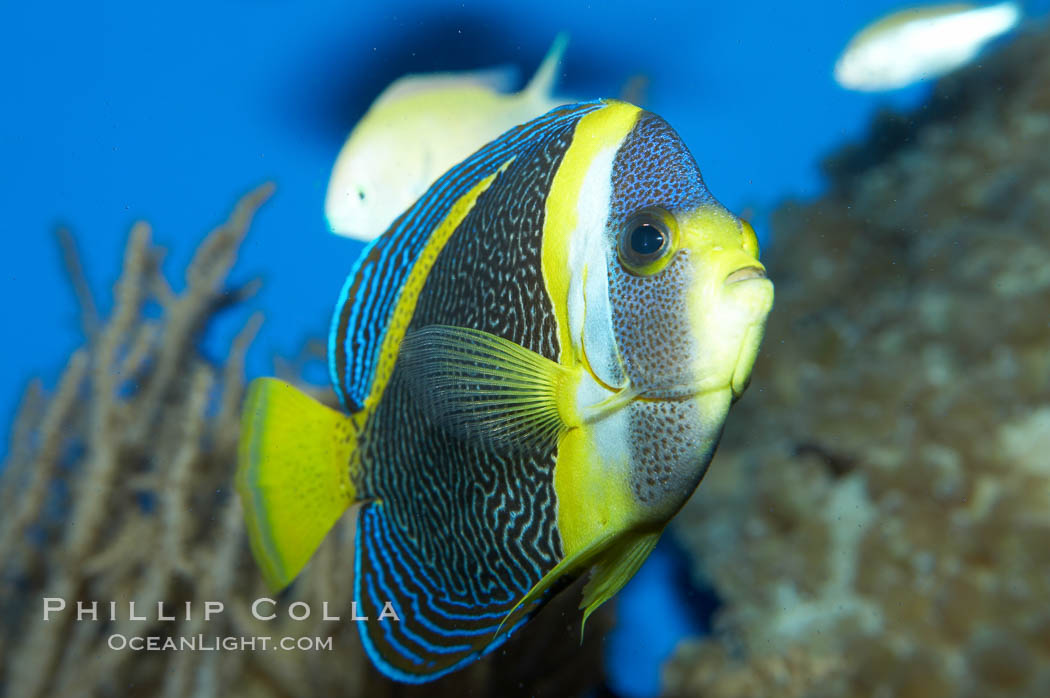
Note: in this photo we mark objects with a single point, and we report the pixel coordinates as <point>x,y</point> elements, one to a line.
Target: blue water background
<point>119,111</point>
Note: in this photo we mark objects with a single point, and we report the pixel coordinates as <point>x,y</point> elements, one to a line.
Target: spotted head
<point>666,302</point>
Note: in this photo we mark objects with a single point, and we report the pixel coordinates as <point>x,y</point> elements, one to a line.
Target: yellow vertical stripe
<point>596,131</point>
<point>591,504</point>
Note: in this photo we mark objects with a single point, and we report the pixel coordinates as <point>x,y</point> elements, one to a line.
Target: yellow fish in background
<point>536,361</point>
<point>418,128</point>
<point>921,43</point>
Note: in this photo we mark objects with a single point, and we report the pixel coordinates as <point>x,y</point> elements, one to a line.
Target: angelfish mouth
<point>745,274</point>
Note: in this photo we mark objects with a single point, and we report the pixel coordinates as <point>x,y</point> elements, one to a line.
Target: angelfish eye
<point>647,241</point>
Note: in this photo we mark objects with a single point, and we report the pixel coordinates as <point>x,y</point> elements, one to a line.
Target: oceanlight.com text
<point>215,643</point>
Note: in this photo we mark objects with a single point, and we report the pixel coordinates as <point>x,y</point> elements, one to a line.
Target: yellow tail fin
<point>293,475</point>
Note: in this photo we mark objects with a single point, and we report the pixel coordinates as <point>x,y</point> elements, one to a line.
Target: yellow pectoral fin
<point>571,565</point>
<point>293,475</point>
<point>616,567</point>
<point>488,389</point>
<point>625,553</point>
<point>614,560</point>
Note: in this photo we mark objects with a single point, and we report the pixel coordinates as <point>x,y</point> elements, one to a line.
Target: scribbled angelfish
<point>537,359</point>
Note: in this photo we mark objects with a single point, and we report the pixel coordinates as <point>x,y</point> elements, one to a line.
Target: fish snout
<point>729,320</point>
<point>747,290</point>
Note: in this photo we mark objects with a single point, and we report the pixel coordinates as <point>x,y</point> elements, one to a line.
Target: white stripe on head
<point>590,317</point>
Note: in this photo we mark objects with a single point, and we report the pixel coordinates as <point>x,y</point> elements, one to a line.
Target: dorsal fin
<point>542,83</point>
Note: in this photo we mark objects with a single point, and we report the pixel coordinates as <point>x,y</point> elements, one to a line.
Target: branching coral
<point>118,489</point>
<point>877,520</point>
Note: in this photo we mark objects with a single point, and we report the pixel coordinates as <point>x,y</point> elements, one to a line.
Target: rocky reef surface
<point>877,519</point>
